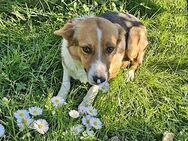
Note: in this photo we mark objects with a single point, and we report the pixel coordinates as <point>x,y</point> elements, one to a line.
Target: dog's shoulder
<point>74,67</point>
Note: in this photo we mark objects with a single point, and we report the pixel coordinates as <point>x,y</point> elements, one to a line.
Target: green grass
<point>142,110</point>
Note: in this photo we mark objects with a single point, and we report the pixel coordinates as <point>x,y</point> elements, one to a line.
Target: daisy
<point>41,125</point>
<point>91,111</point>
<point>35,111</point>
<point>74,114</point>
<point>2,130</point>
<point>77,129</point>
<point>19,114</point>
<point>104,87</point>
<point>57,101</point>
<point>86,120</point>
<point>89,132</point>
<point>24,122</point>
<point>82,109</point>
<point>96,123</point>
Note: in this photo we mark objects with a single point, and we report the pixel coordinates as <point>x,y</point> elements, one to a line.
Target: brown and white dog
<point>95,48</point>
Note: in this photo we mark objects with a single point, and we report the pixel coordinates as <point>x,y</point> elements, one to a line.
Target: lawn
<point>141,110</point>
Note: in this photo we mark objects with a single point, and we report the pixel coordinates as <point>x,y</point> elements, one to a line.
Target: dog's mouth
<point>96,80</point>
<point>97,73</point>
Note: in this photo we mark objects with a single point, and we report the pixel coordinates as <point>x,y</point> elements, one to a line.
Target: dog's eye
<point>109,50</point>
<point>86,50</point>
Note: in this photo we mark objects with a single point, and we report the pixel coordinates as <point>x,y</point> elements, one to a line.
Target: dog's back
<point>124,19</point>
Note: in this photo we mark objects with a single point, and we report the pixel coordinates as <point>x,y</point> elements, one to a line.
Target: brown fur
<point>137,43</point>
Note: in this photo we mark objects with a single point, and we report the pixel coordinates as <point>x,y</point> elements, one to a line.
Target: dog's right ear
<point>67,31</point>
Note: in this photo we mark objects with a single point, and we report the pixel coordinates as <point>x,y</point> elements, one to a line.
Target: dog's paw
<point>130,76</point>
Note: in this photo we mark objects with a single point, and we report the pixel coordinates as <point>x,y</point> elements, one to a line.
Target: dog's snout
<point>98,80</point>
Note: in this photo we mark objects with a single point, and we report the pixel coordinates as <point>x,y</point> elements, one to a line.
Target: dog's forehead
<point>88,28</point>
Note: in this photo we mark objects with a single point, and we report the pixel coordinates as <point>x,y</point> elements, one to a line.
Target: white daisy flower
<point>96,123</point>
<point>86,121</point>
<point>19,114</point>
<point>82,109</point>
<point>90,132</point>
<point>74,114</point>
<point>77,129</point>
<point>91,111</point>
<point>24,122</point>
<point>41,125</point>
<point>104,87</point>
<point>57,101</point>
<point>35,111</point>
<point>2,130</point>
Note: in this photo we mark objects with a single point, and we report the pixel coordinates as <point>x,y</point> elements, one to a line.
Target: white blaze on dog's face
<point>93,41</point>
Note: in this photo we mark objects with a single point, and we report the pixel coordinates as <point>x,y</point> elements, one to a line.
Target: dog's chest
<point>73,67</point>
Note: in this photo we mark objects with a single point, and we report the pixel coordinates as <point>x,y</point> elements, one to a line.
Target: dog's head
<point>93,41</point>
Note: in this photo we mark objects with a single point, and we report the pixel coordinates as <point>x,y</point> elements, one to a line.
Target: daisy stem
<point>59,115</point>
<point>12,119</point>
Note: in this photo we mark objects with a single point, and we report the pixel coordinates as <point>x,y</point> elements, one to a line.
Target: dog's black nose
<point>98,80</point>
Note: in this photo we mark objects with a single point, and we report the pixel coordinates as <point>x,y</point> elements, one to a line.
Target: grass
<point>30,71</point>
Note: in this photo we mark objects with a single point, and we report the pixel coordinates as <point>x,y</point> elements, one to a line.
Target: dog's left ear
<point>67,31</point>
<point>121,31</point>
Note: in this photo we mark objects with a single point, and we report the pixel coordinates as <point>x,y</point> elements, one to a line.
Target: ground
<point>141,110</point>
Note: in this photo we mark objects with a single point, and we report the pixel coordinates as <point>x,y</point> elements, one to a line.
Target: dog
<point>95,48</point>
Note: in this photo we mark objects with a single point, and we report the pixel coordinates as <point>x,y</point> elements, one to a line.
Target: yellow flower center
<point>91,111</point>
<point>95,123</point>
<point>57,100</point>
<point>87,121</point>
<point>21,114</point>
<point>35,112</point>
<point>40,126</point>
<point>24,121</point>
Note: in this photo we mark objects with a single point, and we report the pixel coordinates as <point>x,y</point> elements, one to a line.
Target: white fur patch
<point>128,16</point>
<point>99,38</point>
<point>128,24</point>
<point>98,68</point>
<point>74,67</point>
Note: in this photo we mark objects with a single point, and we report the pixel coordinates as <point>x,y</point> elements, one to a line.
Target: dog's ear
<point>121,32</point>
<point>67,31</point>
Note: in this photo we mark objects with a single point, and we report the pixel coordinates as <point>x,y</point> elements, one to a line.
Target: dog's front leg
<point>65,86</point>
<point>90,96</point>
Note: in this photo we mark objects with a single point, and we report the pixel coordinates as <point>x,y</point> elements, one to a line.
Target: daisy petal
<point>90,132</point>
<point>86,121</point>
<point>20,114</point>
<point>82,109</point>
<point>57,101</point>
<point>74,114</point>
<point>24,122</point>
<point>104,87</point>
<point>91,111</point>
<point>35,111</point>
<point>96,123</point>
<point>41,125</point>
<point>2,130</point>
<point>77,129</point>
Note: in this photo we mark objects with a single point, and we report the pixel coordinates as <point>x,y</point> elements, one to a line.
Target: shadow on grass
<point>41,9</point>
<point>145,8</point>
